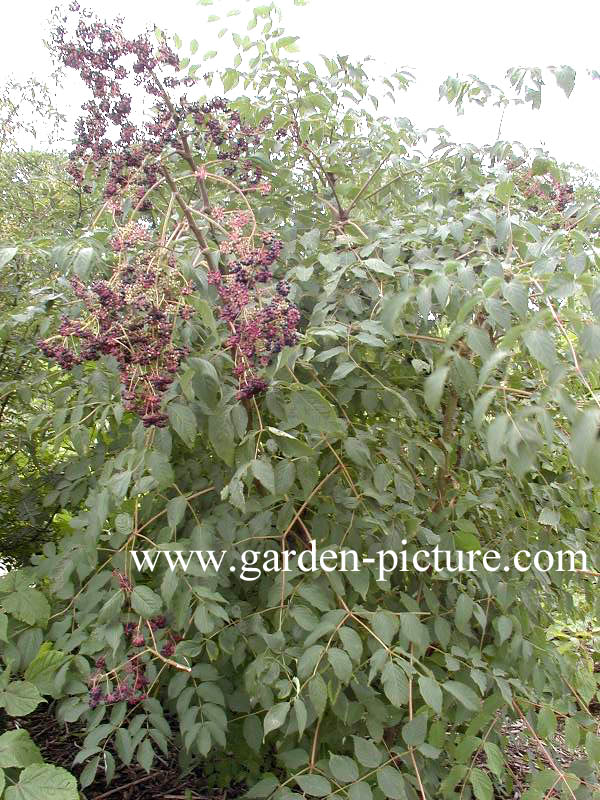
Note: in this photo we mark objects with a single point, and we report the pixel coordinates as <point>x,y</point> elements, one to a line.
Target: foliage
<point>40,207</point>
<point>23,772</point>
<point>443,391</point>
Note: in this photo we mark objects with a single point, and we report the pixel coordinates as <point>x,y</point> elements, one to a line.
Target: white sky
<point>434,39</point>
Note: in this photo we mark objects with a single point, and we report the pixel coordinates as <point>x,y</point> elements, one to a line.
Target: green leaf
<point>495,759</point>
<point>314,411</point>
<point>231,79</point>
<point>504,626</point>
<point>145,602</point>
<point>357,451</point>
<point>413,629</point>
<point>221,435</point>
<point>42,670</point>
<point>496,437</point>
<point>504,190</point>
<point>44,782</point>
<point>275,717</point>
<point>541,346</point>
<point>160,469</point>
<point>572,733</point>
<point>18,750</point>
<point>343,769</point>
<point>28,605</point>
<point>391,783</point>
<point>431,693</point>
<point>264,788</point>
<point>481,783</point>
<point>395,684</point>
<point>366,752</point>
<point>83,262</point>
<point>360,791</point>
<point>145,754</point>
<point>463,612</point>
<point>433,387</point>
<point>124,524</point>
<point>263,472</point>
<point>541,165</point>
<point>341,664</point>
<point>314,785</point>
<point>176,508</point>
<point>317,691</point>
<point>352,643</point>
<point>415,731</point>
<point>546,723</point>
<point>592,745</point>
<point>183,420</point>
<point>464,694</point>
<point>343,370</point>
<point>20,698</point>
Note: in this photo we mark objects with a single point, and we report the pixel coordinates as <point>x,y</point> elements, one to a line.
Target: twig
<point>126,785</point>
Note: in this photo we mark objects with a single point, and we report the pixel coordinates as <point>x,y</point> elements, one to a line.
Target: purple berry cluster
<point>135,314</point>
<point>109,136</point>
<point>131,682</point>
<point>560,193</point>
<point>132,317</point>
<point>260,316</point>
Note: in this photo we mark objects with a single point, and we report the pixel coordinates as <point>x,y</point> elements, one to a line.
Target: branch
<point>188,215</point>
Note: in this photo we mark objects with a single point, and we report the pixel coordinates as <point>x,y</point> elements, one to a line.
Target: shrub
<point>291,330</point>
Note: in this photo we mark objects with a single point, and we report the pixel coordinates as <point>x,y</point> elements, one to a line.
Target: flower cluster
<point>131,681</point>
<point>546,188</point>
<point>131,317</point>
<point>109,136</point>
<point>260,316</point>
<point>134,315</point>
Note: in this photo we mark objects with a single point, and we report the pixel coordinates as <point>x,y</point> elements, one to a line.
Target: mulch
<point>60,744</point>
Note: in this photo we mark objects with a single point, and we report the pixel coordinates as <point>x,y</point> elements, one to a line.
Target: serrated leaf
<point>18,750</point>
<point>314,411</point>
<point>541,346</point>
<point>314,785</point>
<point>431,693</point>
<point>415,731</point>
<point>481,783</point>
<point>367,752</point>
<point>221,435</point>
<point>464,694</point>
<point>263,472</point>
<point>275,717</point>
<point>42,670</point>
<point>183,420</point>
<point>145,602</point>
<point>495,759</point>
<point>20,698</point>
<point>395,684</point>
<point>343,769</point>
<point>565,78</point>
<point>27,605</point>
<point>145,755</point>
<point>341,664</point>
<point>44,782</point>
<point>391,783</point>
